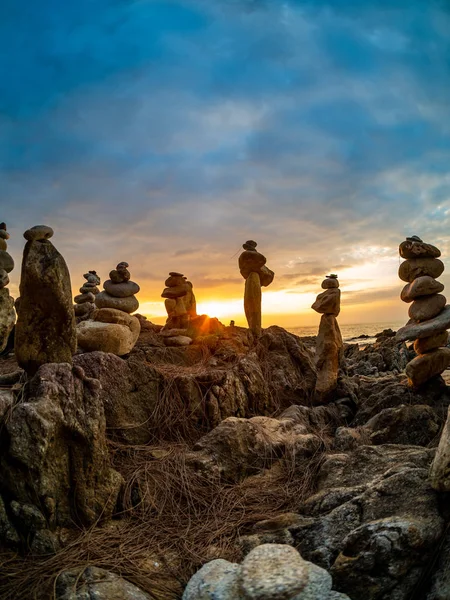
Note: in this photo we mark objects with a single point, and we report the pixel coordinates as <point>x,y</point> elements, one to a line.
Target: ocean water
<point>351,332</point>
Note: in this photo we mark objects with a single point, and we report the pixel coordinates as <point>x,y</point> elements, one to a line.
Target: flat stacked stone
<point>329,345</point>
<point>176,291</point>
<point>429,315</point>
<point>7,312</point>
<point>189,300</point>
<point>85,301</point>
<point>252,266</point>
<point>111,328</point>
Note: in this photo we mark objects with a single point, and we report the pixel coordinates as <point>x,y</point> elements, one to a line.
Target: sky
<point>166,133</point>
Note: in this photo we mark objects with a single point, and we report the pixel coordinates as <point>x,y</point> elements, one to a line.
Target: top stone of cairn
<point>414,247</point>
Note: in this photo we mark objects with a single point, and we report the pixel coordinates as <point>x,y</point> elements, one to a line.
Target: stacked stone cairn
<point>252,266</point>
<point>189,300</point>
<point>45,328</point>
<point>85,301</point>
<point>329,345</point>
<point>176,290</point>
<point>7,312</point>
<point>428,312</point>
<point>112,328</point>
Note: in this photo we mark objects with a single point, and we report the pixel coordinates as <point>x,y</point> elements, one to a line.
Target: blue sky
<point>166,133</point>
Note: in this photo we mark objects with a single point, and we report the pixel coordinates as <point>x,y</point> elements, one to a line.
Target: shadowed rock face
<point>45,330</point>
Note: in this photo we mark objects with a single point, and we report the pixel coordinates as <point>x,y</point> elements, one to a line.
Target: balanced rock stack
<point>252,266</point>
<point>45,329</point>
<point>85,301</point>
<point>429,315</point>
<point>176,290</point>
<point>112,328</point>
<point>329,345</point>
<point>189,300</point>
<point>7,312</point>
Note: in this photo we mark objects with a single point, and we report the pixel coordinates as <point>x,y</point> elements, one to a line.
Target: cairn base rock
<point>329,352</point>
<point>7,317</point>
<point>252,303</point>
<point>111,331</point>
<point>425,366</point>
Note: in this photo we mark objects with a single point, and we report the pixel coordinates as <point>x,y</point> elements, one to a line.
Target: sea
<point>352,333</point>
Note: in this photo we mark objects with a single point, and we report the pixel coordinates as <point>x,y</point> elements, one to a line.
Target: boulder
<point>105,300</point>
<point>423,345</point>
<point>425,366</point>
<point>421,286</point>
<point>329,354</point>
<point>7,317</point>
<point>217,579</point>
<point>423,309</point>
<point>412,331</point>
<point>45,330</point>
<point>110,331</point>
<point>412,268</point>
<point>93,582</point>
<point>328,302</point>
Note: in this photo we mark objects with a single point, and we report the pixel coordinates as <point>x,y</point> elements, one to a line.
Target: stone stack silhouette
<point>7,312</point>
<point>329,345</point>
<point>175,292</point>
<point>429,315</point>
<point>119,292</point>
<point>85,301</point>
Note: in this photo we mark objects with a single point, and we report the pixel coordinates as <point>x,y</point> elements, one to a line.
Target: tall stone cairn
<point>252,266</point>
<point>85,301</point>
<point>178,294</point>
<point>7,312</point>
<point>329,345</point>
<point>45,329</point>
<point>428,312</point>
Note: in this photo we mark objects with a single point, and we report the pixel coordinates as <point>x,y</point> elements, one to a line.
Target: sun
<point>217,308</point>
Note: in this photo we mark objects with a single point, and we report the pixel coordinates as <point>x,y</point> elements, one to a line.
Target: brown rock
<point>7,317</point>
<point>251,261</point>
<point>266,276</point>
<point>189,301</point>
<point>418,267</point>
<point>440,468</point>
<point>178,340</point>
<point>423,309</point>
<point>421,286</point>
<point>3,244</point>
<point>425,366</point>
<point>4,278</point>
<point>411,331</point>
<point>421,346</point>
<point>174,292</point>
<point>413,249</point>
<point>105,300</point>
<point>252,303</point>
<point>329,353</point>
<point>45,329</point>
<point>38,232</point>
<point>328,302</point>
<point>121,290</point>
<point>330,283</point>
<point>175,279</point>
<point>110,331</point>
<point>6,261</point>
<point>87,297</point>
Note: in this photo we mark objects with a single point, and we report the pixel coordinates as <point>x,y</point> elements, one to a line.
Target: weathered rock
<point>411,331</point>
<point>121,290</point>
<point>88,297</point>
<point>6,261</point>
<point>178,340</point>
<point>424,309</point>
<point>120,274</point>
<point>330,283</point>
<point>423,345</point>
<point>45,330</point>
<point>190,302</point>
<point>440,469</point>
<point>328,302</point>
<point>421,286</point>
<point>251,261</point>
<point>217,579</point>
<point>94,583</point>
<point>174,292</point>
<point>266,276</point>
<point>7,317</point>
<point>329,354</point>
<point>38,233</point>
<point>425,366</point>
<point>416,249</point>
<point>110,331</point>
<point>252,303</point>
<point>55,455</point>
<point>440,581</point>
<point>412,268</point>
<point>415,424</point>
<point>105,300</point>
<point>175,279</point>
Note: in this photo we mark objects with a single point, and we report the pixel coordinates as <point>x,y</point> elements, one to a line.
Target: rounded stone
<point>412,268</point>
<point>330,283</point>
<point>421,286</point>
<point>175,292</point>
<point>84,298</point>
<point>428,307</point>
<point>425,366</point>
<point>251,261</point>
<point>415,249</point>
<point>105,300</point>
<point>121,290</point>
<point>175,280</point>
<point>328,302</point>
<point>178,340</point>
<point>4,278</point>
<point>38,232</point>
<point>6,261</point>
<point>7,317</point>
<point>118,337</point>
<point>217,579</point>
<point>84,309</point>
<point>318,586</point>
<point>89,289</point>
<point>421,346</point>
<point>4,235</point>
<point>3,244</point>
<point>273,572</point>
<point>266,276</point>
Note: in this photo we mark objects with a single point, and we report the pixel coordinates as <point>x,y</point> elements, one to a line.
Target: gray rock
<point>7,317</point>
<point>38,232</point>
<point>121,290</point>
<point>87,297</point>
<point>6,261</point>
<point>412,331</point>
<point>105,300</point>
<point>94,583</point>
<point>217,580</point>
<point>178,340</point>
<point>318,586</point>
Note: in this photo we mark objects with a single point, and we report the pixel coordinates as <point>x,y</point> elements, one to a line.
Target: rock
<point>121,290</point>
<point>330,283</point>
<point>273,572</point>
<point>423,309</point>
<point>318,584</point>
<point>252,303</point>
<point>88,297</point>
<point>105,300</point>
<point>421,346</point>
<point>67,482</point>
<point>266,276</point>
<point>328,302</point>
<point>440,580</point>
<point>190,302</point>
<point>178,340</point>
<point>412,268</point>
<point>4,235</point>
<point>38,233</point>
<point>421,286</point>
<point>251,261</point>
<point>6,261</point>
<point>411,331</point>
<point>45,330</point>
<point>4,278</point>
<point>94,583</point>
<point>217,580</point>
<point>440,469</point>
<point>3,244</point>
<point>172,293</point>
<point>418,249</point>
<point>85,310</point>
<point>416,424</point>
<point>120,274</point>
<point>7,317</point>
<point>425,366</point>
<point>110,330</point>
<point>329,354</point>
<point>175,279</point>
